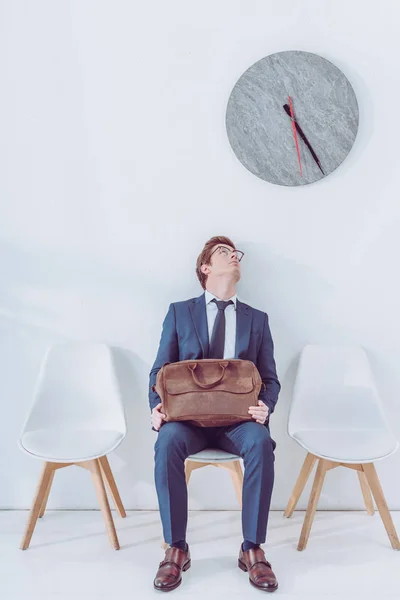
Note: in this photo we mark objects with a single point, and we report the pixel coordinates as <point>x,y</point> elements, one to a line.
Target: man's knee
<point>260,443</point>
<point>172,436</point>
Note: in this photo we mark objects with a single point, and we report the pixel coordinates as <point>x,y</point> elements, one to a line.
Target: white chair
<point>216,458</point>
<point>336,415</point>
<point>77,417</point>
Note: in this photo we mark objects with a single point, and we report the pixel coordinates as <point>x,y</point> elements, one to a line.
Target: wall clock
<point>292,118</point>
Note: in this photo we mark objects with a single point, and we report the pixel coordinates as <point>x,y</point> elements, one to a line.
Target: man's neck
<point>222,290</point>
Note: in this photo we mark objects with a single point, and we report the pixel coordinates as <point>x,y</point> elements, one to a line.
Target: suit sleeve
<point>267,369</point>
<point>168,351</point>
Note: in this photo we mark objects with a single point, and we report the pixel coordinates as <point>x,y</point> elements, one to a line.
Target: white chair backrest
<point>335,388</point>
<point>77,387</point>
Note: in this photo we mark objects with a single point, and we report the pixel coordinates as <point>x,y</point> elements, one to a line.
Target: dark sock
<point>249,545</point>
<point>182,545</point>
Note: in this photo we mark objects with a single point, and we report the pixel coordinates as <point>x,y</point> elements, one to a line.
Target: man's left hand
<point>260,412</point>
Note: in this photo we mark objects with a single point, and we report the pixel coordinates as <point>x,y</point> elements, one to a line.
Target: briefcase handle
<point>207,386</point>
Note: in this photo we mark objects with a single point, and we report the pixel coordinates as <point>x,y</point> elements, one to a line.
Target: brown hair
<point>205,256</point>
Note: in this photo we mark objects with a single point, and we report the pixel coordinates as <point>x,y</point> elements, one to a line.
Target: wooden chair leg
<point>376,489</point>
<point>237,479</point>
<point>235,469</point>
<point>366,492</point>
<point>94,467</point>
<point>112,486</point>
<point>323,466</point>
<point>300,484</point>
<point>189,466</point>
<point>192,465</point>
<point>46,496</point>
<point>46,476</point>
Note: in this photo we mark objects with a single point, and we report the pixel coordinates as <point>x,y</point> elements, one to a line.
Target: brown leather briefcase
<point>208,392</point>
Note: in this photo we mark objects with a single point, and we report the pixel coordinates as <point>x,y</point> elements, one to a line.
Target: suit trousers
<point>250,440</point>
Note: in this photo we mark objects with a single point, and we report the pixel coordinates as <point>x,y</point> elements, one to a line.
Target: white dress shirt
<point>230,322</point>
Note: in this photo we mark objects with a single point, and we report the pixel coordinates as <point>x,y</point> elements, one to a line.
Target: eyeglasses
<point>227,252</point>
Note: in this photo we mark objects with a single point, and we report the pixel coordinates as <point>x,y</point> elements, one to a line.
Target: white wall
<point>116,168</point>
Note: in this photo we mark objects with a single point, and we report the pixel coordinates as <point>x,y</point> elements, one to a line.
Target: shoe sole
<point>173,587</point>
<point>243,567</point>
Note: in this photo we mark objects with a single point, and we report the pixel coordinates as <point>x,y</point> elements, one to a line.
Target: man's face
<point>224,261</point>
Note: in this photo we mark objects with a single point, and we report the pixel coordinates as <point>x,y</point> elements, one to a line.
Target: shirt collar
<point>210,296</point>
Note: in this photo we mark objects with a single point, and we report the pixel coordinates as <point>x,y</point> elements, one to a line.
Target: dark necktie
<point>217,343</point>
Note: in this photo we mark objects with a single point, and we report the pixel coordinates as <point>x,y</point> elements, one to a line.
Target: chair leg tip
<point>396,546</point>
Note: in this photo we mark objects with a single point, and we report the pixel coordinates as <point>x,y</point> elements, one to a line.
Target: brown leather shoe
<point>169,574</point>
<point>259,569</point>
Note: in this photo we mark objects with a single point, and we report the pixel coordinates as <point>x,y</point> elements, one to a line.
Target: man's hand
<point>260,412</point>
<point>157,417</point>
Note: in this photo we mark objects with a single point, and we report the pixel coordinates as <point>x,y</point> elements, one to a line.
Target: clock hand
<point>304,138</point>
<point>296,141</point>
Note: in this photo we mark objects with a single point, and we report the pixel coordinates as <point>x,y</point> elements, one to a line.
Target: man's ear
<point>205,269</point>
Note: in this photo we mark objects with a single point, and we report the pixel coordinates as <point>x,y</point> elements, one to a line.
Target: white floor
<point>348,557</point>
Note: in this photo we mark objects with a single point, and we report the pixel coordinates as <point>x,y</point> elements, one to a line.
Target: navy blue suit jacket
<point>185,337</point>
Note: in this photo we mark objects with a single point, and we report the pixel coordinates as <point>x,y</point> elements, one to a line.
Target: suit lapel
<point>197,309</point>
<point>243,329</point>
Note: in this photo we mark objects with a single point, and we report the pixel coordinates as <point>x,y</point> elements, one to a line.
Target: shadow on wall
<point>47,298</point>
<point>295,297</point>
<point>136,452</point>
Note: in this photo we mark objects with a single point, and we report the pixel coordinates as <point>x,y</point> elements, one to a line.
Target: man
<point>216,325</point>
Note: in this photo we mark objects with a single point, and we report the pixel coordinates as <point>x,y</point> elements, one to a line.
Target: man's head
<point>219,258</point>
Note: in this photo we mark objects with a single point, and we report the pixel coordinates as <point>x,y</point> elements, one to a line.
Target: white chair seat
<point>67,445</point>
<point>351,446</point>
<point>213,455</point>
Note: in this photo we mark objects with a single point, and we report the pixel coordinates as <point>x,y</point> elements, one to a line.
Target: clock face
<point>292,118</point>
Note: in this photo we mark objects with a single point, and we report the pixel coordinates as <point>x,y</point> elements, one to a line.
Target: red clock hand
<point>296,141</point>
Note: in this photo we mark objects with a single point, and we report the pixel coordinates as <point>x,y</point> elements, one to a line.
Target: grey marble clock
<point>292,118</point>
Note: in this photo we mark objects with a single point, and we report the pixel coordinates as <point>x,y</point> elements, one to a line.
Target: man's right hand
<point>157,417</point>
